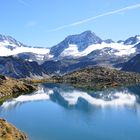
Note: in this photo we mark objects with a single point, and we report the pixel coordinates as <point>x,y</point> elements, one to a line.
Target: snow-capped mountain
<point>10,46</point>
<point>87,49</point>
<point>87,42</point>
<point>132,40</point>
<point>74,52</point>
<point>75,43</point>
<point>10,41</point>
<point>73,46</point>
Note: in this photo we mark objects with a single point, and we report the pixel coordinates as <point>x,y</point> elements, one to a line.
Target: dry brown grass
<point>10,132</point>
<point>12,87</point>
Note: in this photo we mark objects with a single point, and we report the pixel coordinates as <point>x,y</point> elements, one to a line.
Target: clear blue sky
<point>42,22</point>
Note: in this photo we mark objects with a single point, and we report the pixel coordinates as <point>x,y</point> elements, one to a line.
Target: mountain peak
<point>88,32</point>
<point>132,40</point>
<point>7,38</point>
<point>84,35</point>
<point>82,41</point>
<point>10,41</point>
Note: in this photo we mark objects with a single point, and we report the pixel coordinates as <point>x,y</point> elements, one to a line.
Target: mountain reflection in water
<point>62,112</point>
<point>70,97</point>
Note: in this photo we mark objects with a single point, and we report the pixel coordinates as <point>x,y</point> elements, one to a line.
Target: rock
<point>2,77</point>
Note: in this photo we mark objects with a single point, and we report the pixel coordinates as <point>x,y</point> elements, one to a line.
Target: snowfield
<point>9,46</point>
<point>7,49</point>
<point>121,49</point>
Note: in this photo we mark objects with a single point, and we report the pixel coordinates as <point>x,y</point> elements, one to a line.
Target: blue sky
<point>47,22</point>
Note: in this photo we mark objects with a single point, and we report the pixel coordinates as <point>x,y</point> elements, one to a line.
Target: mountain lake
<point>62,112</point>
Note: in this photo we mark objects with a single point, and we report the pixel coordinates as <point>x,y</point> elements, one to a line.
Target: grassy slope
<point>9,132</point>
<point>11,88</point>
<point>100,77</point>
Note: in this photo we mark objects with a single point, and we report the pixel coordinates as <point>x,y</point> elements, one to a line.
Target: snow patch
<point>121,49</point>
<point>138,37</point>
<point>72,50</point>
<point>7,52</point>
<point>7,49</point>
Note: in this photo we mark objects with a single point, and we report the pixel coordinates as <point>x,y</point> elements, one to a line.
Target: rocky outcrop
<point>11,88</point>
<point>10,132</point>
<point>99,77</point>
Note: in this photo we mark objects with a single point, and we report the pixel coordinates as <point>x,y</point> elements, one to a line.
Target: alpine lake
<point>62,112</point>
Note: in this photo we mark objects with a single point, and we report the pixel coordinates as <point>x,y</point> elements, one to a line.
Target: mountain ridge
<point>79,42</point>
<point>73,53</point>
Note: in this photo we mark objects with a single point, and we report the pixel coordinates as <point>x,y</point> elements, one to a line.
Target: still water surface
<point>62,112</point>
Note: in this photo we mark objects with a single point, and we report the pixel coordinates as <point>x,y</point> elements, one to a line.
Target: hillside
<point>99,77</point>
<point>11,88</point>
<point>9,132</point>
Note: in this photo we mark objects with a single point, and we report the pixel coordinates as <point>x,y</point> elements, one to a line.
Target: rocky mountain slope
<point>133,65</point>
<point>19,68</point>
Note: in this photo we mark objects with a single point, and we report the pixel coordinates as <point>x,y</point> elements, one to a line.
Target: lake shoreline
<point>88,107</point>
<point>96,78</point>
<point>10,88</point>
<point>10,132</point>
